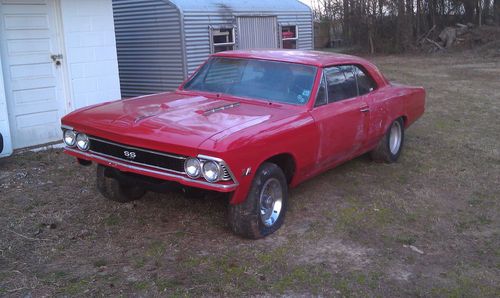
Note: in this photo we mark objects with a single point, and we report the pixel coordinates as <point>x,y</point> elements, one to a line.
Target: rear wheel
<point>263,211</point>
<point>116,190</point>
<point>390,146</point>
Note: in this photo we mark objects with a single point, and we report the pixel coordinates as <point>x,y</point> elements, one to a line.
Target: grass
<point>156,249</point>
<point>112,220</point>
<point>476,222</point>
<point>465,286</point>
<point>75,287</point>
<point>100,263</point>
<point>141,285</point>
<point>344,233</point>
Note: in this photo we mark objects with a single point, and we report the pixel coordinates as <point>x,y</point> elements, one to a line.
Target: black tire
<point>383,153</point>
<point>116,190</point>
<point>245,219</point>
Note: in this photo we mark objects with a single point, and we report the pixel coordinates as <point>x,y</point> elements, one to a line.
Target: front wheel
<point>263,211</point>
<point>390,146</point>
<point>115,190</point>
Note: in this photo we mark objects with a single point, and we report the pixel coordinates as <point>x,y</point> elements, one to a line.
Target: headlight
<point>82,141</point>
<point>69,137</point>
<point>192,167</point>
<point>211,171</point>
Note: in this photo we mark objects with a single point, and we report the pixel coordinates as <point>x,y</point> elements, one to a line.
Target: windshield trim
<point>274,102</point>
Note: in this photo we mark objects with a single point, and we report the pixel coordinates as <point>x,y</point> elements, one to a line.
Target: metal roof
<point>316,58</point>
<point>240,5</point>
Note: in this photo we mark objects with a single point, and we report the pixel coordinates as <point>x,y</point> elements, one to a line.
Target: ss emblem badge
<point>129,154</point>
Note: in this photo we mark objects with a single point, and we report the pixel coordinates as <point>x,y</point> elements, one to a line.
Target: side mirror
<point>1,143</point>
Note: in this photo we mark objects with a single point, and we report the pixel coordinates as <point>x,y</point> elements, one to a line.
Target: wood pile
<point>445,39</point>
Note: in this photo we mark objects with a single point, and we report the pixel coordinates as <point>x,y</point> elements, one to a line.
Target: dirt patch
<point>349,232</point>
<point>334,251</point>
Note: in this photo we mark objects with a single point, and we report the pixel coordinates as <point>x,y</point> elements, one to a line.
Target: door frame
<point>66,87</point>
<point>67,101</point>
<point>7,141</point>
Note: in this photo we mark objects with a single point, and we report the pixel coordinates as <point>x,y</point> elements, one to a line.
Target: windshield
<point>261,79</point>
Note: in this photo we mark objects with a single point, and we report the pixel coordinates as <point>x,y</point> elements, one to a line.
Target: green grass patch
<point>112,220</point>
<point>167,285</point>
<point>75,287</point>
<point>141,285</point>
<point>100,263</point>
<point>472,223</point>
<point>156,249</point>
<point>315,278</point>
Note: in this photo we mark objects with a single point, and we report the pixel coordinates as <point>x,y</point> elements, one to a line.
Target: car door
<point>375,99</point>
<point>340,116</point>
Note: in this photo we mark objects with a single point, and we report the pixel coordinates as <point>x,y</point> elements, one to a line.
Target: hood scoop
<point>140,118</point>
<point>158,110</point>
<point>218,109</point>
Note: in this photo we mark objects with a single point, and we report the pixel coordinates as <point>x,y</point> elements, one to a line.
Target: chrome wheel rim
<point>271,200</point>
<point>395,137</point>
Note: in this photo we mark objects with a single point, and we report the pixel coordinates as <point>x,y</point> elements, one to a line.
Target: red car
<point>247,123</point>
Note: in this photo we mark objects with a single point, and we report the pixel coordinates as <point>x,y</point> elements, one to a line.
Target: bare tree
<point>396,25</point>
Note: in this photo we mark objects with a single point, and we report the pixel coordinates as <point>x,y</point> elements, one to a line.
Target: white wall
<point>89,38</point>
<point>4,119</point>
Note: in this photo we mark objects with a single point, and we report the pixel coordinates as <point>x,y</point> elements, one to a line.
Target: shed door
<point>257,32</point>
<point>33,81</point>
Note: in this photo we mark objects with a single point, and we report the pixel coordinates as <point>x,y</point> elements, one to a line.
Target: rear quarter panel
<point>394,101</point>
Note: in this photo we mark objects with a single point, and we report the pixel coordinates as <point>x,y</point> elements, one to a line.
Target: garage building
<point>55,56</point>
<point>161,42</point>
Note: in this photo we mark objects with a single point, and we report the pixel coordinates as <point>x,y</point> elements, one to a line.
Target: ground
<point>427,225</point>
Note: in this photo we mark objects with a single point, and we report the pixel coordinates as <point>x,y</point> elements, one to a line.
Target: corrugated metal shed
<point>161,42</point>
<point>241,5</point>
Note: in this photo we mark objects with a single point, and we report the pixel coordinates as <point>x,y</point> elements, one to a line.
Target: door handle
<point>56,58</point>
<point>364,109</point>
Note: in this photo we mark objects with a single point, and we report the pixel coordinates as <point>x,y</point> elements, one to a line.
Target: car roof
<point>315,58</point>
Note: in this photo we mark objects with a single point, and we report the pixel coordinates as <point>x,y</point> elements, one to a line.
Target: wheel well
<point>287,164</point>
<point>405,120</point>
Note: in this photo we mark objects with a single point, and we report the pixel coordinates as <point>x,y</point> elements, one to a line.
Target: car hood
<point>176,118</point>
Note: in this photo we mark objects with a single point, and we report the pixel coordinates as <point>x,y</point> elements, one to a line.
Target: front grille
<point>225,173</point>
<point>164,161</point>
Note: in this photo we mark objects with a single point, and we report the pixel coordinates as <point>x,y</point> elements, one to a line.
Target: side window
<point>289,36</point>
<point>321,98</point>
<point>350,88</point>
<point>365,82</point>
<point>336,81</point>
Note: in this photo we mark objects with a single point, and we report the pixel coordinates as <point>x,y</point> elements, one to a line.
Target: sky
<point>308,2</point>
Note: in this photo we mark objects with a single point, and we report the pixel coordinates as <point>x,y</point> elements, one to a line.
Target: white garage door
<point>257,32</point>
<point>33,79</point>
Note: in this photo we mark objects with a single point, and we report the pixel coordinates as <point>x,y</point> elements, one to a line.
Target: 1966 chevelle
<point>247,123</point>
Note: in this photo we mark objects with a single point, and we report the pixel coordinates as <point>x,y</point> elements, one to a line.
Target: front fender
<point>244,152</point>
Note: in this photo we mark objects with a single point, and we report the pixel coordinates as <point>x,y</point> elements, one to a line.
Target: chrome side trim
<point>134,162</point>
<point>63,127</point>
<point>222,162</point>
<point>137,148</point>
<point>166,175</point>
